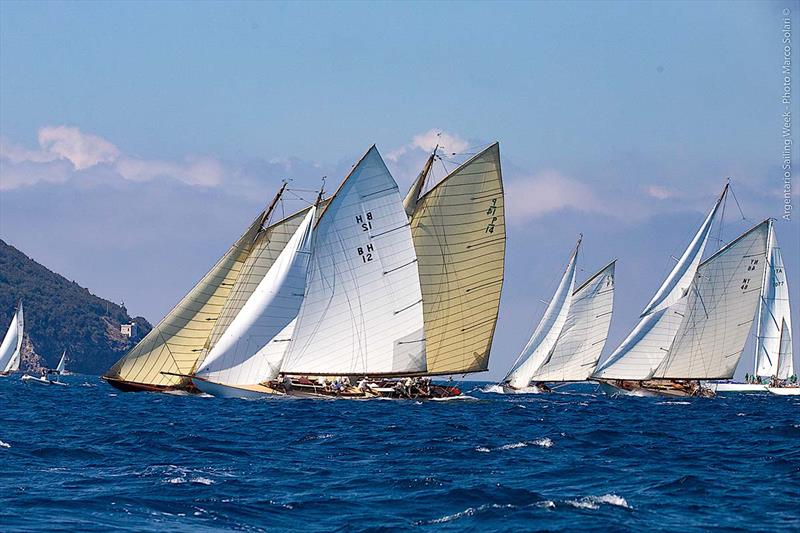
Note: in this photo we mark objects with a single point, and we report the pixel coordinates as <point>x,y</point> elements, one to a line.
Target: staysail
<point>251,349</point>
<point>362,311</point>
<point>459,235</point>
<point>720,310</point>
<point>584,334</point>
<point>544,337</point>
<point>11,347</point>
<point>773,310</point>
<point>645,347</point>
<point>785,362</point>
<point>175,344</point>
<point>412,197</point>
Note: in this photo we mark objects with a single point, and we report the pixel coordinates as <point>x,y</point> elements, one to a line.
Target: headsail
<point>412,197</point>
<point>176,343</point>
<point>459,236</point>
<point>584,334</point>
<point>62,363</point>
<point>773,310</point>
<point>785,362</point>
<point>543,340</point>
<point>251,349</point>
<point>720,311</point>
<point>645,347</point>
<point>10,349</point>
<point>362,311</point>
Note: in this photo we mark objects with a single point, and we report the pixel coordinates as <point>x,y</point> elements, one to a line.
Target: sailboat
<point>44,380</point>
<point>61,368</point>
<point>10,349</point>
<point>773,344</point>
<point>567,343</point>
<point>364,320</point>
<point>166,357</point>
<point>706,326</point>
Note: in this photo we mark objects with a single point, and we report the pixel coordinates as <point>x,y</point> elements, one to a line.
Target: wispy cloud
<point>427,141</point>
<point>66,151</point>
<point>548,191</point>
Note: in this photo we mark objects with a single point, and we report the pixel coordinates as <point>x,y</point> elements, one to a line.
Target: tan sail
<point>175,345</point>
<point>459,235</point>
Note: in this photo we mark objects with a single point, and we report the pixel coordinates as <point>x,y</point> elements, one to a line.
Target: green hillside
<point>60,314</point>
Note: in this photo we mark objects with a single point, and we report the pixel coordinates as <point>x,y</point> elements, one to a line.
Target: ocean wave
<point>4,444</point>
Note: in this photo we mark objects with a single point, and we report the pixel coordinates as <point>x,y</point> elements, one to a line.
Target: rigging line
<point>737,204</point>
<point>722,221</point>
<point>299,197</point>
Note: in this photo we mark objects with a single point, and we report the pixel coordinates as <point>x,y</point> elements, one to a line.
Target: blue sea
<point>89,458</point>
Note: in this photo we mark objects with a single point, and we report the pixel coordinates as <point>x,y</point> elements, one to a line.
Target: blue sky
<point>139,138</point>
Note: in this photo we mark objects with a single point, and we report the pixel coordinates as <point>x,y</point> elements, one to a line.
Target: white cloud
<point>82,149</point>
<point>659,193</point>
<point>545,192</point>
<point>426,142</point>
<point>64,151</point>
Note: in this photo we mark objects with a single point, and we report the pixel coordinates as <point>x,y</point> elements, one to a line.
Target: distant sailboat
<point>61,368</point>
<point>44,380</point>
<point>168,354</point>
<point>10,349</point>
<point>569,338</point>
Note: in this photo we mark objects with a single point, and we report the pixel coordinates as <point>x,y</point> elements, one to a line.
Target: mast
<point>761,301</point>
<point>411,199</point>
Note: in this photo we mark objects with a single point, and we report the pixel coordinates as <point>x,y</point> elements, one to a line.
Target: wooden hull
<point>309,389</point>
<point>130,386</point>
<point>653,387</point>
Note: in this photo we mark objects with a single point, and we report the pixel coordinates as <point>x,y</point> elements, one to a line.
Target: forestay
<point>362,311</point>
<point>773,310</point>
<point>251,349</point>
<point>10,349</point>
<point>645,347</point>
<point>544,337</point>
<point>720,311</point>
<point>459,236</point>
<point>584,334</point>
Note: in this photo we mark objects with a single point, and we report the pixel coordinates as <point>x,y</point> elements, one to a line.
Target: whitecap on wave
<point>454,398</point>
<point>542,443</point>
<point>594,502</point>
<point>4,444</point>
<point>673,403</point>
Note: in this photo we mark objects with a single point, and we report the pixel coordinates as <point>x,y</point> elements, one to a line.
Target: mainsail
<point>584,334</point>
<point>543,340</point>
<point>362,311</point>
<point>171,349</point>
<point>645,347</point>
<point>12,343</point>
<point>459,235</point>
<point>720,310</point>
<point>251,349</point>
<point>773,311</point>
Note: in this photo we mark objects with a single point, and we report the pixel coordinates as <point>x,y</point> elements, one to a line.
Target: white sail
<point>62,363</point>
<point>547,331</point>
<point>785,361</point>
<point>773,310</point>
<point>252,347</point>
<point>720,310</point>
<point>362,311</point>
<point>645,347</point>
<point>12,343</point>
<point>581,341</point>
